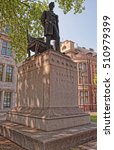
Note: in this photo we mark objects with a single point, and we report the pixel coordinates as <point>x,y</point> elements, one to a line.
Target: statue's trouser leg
<point>57,44</point>
<point>57,39</point>
<point>48,39</point>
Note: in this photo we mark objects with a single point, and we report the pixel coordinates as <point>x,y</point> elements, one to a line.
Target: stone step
<point>32,139</point>
<point>2,115</point>
<point>48,118</point>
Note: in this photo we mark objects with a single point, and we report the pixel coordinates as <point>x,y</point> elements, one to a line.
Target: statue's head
<point>51,5</point>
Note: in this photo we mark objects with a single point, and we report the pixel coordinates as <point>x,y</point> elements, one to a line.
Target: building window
<point>64,47</point>
<point>1,72</point>
<point>82,66</point>
<point>83,73</point>
<point>6,48</point>
<point>9,73</point>
<point>0,98</point>
<point>95,97</point>
<point>81,101</point>
<point>84,97</point>
<point>7,99</point>
<point>81,98</point>
<point>94,73</point>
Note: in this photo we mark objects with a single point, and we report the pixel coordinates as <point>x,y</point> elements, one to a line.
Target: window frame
<point>6,48</point>
<point>84,97</point>
<point>1,72</point>
<point>7,99</point>
<point>82,68</point>
<point>9,73</point>
<point>0,98</point>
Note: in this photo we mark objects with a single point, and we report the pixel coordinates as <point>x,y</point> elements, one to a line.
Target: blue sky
<point>80,28</point>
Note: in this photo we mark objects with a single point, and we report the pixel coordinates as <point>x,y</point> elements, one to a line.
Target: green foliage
<point>23,16</point>
<point>67,5</point>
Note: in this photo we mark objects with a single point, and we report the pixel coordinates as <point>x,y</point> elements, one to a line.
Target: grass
<point>93,118</point>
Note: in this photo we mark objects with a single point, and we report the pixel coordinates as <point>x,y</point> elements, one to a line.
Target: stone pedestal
<point>47,93</point>
<point>47,101</point>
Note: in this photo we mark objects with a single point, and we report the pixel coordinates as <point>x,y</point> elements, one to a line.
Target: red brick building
<point>86,60</point>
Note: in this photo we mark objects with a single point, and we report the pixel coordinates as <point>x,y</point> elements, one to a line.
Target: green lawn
<point>93,118</point>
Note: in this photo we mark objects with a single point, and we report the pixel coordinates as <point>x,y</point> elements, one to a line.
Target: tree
<point>67,5</point>
<point>24,15</point>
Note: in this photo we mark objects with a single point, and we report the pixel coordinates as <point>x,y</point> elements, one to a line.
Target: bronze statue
<point>51,30</point>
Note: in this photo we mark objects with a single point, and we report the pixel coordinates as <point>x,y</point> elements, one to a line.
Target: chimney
<point>66,46</point>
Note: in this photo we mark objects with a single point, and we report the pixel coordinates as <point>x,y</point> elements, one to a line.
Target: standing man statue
<point>51,30</point>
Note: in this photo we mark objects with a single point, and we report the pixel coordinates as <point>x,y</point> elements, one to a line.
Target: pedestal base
<point>49,119</point>
<point>32,139</point>
<point>47,97</point>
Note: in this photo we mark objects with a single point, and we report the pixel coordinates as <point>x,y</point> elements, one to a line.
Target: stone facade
<point>8,77</point>
<point>86,60</point>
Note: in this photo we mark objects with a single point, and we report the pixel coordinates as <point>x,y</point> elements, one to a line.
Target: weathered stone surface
<point>5,144</point>
<point>47,93</point>
<point>47,80</point>
<point>47,101</point>
<point>49,119</point>
<point>32,139</point>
